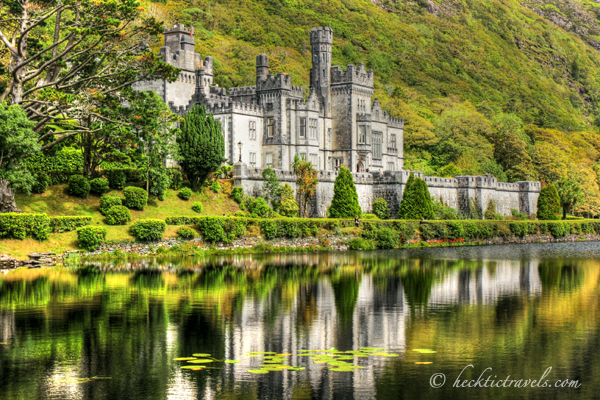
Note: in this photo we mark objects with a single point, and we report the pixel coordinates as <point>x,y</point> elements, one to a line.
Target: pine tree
<point>345,198</point>
<point>416,200</point>
<point>548,204</point>
<point>201,146</point>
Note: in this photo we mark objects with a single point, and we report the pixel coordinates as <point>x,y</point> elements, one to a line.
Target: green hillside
<point>497,87</point>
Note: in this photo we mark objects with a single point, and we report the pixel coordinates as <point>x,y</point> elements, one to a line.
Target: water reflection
<point>517,309</point>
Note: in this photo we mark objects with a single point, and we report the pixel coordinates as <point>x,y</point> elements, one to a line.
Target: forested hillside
<point>502,87</point>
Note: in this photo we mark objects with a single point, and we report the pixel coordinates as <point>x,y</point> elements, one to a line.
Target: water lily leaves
<point>258,371</point>
<point>201,355</point>
<point>284,355</point>
<point>201,361</point>
<point>425,351</point>
<point>424,362</point>
<point>232,361</point>
<point>296,369</point>
<point>184,358</point>
<point>193,367</point>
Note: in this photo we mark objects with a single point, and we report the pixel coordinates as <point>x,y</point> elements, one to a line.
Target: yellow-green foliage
<point>487,86</point>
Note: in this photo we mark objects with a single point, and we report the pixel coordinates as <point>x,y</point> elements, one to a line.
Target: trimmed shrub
<point>286,205</point>
<point>106,202</point>
<point>361,244</point>
<point>345,198</point>
<point>197,207</point>
<point>116,178</point>
<point>211,229</point>
<point>416,200</point>
<point>558,229</point>
<point>99,186</point>
<point>135,198</point>
<point>118,215</point>
<point>148,229</point>
<point>369,216</point>
<point>182,220</point>
<point>186,233</point>
<point>215,187</point>
<point>67,224</point>
<point>41,183</point>
<point>79,186</point>
<point>91,237</point>
<point>381,209</point>
<point>185,194</point>
<point>548,205</point>
<point>22,225</point>
<point>386,238</point>
<point>259,207</point>
<point>59,165</point>
<point>237,194</point>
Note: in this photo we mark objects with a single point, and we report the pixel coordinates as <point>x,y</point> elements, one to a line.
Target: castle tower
<point>262,67</point>
<point>321,41</point>
<point>204,75</point>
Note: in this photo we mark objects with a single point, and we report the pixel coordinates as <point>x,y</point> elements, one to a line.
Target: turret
<point>321,41</point>
<point>262,67</point>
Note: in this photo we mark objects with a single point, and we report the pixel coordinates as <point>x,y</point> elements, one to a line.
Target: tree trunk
<point>7,198</point>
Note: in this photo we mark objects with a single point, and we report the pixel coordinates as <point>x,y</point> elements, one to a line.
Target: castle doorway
<point>360,167</point>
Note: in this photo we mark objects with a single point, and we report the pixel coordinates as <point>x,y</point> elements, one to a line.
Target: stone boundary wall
<point>454,192</point>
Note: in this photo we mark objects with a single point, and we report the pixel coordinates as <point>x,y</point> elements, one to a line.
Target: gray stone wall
<point>455,193</point>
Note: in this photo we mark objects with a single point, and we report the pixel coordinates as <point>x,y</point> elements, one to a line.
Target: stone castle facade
<point>338,123</point>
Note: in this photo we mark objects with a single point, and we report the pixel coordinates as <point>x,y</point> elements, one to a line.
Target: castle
<point>338,123</point>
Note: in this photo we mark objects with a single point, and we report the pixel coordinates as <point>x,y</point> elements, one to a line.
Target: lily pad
<point>424,363</point>
<point>425,351</point>
<point>193,367</point>
<point>184,358</point>
<point>201,361</point>
<point>232,361</point>
<point>201,355</point>
<point>258,371</point>
<point>296,369</point>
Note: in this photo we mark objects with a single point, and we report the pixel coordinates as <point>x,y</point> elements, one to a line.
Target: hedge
<point>106,202</point>
<point>148,229</point>
<point>118,215</point>
<point>21,226</point>
<point>79,186</point>
<point>67,224</point>
<point>90,237</point>
<point>58,166</point>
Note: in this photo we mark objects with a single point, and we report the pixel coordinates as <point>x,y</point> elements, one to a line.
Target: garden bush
<point>197,207</point>
<point>386,238</point>
<point>99,186</point>
<point>148,229</point>
<point>548,204</point>
<point>176,178</point>
<point>118,215</point>
<point>361,244</point>
<point>369,216</point>
<point>59,165</point>
<point>22,225</point>
<point>416,200</point>
<point>185,194</point>
<point>237,194</point>
<point>259,206</point>
<point>186,233</point>
<point>381,208</point>
<point>79,186</point>
<point>68,223</point>
<point>182,220</point>
<point>106,202</point>
<point>215,187</point>
<point>135,198</point>
<point>41,183</point>
<point>345,198</point>
<point>91,237</point>
<point>116,178</point>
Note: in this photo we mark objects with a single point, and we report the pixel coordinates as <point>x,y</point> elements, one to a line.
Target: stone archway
<point>360,167</point>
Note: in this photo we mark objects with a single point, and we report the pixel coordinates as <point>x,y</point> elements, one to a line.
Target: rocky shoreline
<point>331,242</point>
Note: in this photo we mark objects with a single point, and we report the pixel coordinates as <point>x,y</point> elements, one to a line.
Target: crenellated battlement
<point>242,91</point>
<point>353,74</point>
<point>321,35</point>
<point>179,28</point>
<point>281,81</point>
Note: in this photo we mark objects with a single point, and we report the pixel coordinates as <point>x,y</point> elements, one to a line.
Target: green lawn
<point>56,201</point>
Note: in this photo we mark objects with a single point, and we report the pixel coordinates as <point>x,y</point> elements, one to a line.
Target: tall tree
<point>570,193</point>
<point>306,182</point>
<point>416,200</point>
<point>345,198</point>
<point>270,186</point>
<point>70,57</point>
<point>201,146</point>
<point>17,140</point>
<point>548,204</point>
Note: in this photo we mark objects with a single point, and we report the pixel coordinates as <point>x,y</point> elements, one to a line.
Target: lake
<point>355,325</point>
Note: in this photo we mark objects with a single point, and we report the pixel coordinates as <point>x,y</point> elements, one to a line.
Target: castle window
<point>269,160</point>
<point>314,160</point>
<point>270,127</point>
<point>362,134</point>
<point>377,145</point>
<point>312,128</point>
<point>392,141</point>
<point>252,130</point>
<point>302,156</point>
<point>269,106</point>
<point>391,166</point>
<point>302,127</point>
<point>253,159</point>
